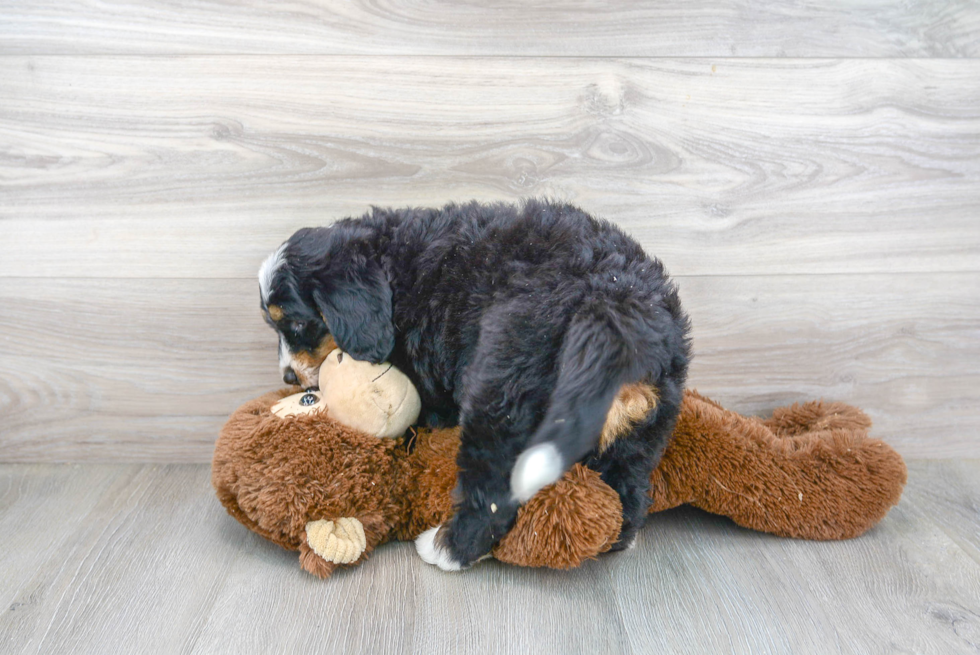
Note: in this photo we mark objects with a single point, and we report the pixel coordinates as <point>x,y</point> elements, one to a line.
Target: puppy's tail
<point>596,359</point>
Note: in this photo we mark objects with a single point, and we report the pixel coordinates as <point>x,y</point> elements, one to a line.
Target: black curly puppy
<point>521,323</point>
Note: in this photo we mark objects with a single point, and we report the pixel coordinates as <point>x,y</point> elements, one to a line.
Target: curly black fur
<point>518,322</point>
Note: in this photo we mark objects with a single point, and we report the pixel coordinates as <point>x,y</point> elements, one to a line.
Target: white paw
<point>536,468</point>
<point>434,553</point>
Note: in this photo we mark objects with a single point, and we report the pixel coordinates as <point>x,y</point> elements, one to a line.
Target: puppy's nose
<point>289,377</point>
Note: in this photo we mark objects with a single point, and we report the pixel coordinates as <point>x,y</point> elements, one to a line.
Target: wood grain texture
<point>42,512</point>
<point>903,347</point>
<point>141,370</point>
<point>142,550</point>
<point>146,556</point>
<point>637,28</point>
<point>198,166</point>
<point>949,494</point>
<point>148,370</point>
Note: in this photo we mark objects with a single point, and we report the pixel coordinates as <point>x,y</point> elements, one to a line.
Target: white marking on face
<point>268,270</point>
<point>285,357</point>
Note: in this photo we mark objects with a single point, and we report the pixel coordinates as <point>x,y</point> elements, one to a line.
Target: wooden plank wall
<point>810,173</point>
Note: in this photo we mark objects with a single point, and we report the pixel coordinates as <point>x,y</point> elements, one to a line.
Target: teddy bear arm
<point>348,540</point>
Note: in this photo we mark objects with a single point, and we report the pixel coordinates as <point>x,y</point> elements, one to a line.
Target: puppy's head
<point>319,294</point>
<point>304,339</point>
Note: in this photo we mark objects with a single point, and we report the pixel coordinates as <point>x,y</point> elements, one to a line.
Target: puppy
<point>520,323</point>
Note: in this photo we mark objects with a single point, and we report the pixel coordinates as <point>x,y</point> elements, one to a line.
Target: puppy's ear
<point>356,304</point>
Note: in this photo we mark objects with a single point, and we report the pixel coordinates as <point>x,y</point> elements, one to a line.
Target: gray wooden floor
<point>144,558</point>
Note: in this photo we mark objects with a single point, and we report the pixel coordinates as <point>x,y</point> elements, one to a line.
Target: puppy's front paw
<point>433,550</point>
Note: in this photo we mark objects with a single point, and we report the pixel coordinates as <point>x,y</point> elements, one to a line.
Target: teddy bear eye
<point>308,399</point>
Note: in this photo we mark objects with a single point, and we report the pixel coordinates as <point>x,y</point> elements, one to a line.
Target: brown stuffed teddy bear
<point>334,473</point>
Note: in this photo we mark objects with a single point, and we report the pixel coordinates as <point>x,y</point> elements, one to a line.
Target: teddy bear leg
<point>803,418</point>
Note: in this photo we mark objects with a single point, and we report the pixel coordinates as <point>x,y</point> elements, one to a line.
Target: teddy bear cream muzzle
<point>300,404</point>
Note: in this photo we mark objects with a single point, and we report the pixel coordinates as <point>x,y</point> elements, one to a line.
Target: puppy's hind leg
<point>627,462</point>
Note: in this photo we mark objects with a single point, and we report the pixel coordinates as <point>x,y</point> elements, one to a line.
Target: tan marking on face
<point>275,312</point>
<point>306,365</point>
<point>632,404</point>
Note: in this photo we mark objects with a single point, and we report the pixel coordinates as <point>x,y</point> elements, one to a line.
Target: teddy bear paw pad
<point>341,541</point>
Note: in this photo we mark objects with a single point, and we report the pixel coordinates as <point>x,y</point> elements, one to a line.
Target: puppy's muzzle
<point>303,368</point>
